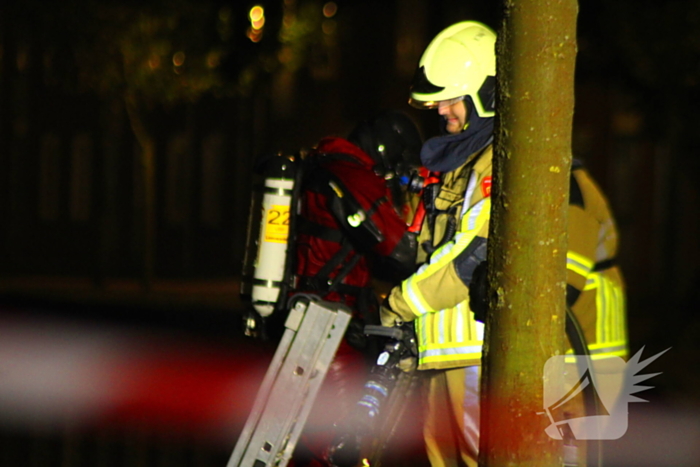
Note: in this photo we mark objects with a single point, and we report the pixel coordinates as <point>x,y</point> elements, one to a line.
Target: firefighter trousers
<point>451,428</point>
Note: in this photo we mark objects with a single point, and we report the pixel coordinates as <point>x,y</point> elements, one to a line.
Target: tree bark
<point>536,52</point>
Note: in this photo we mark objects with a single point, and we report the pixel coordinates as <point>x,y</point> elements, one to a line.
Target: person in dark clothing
<point>350,226</point>
<point>351,209</point>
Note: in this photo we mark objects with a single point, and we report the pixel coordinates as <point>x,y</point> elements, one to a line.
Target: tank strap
<point>313,229</point>
<point>605,264</point>
<point>312,283</point>
<point>323,276</point>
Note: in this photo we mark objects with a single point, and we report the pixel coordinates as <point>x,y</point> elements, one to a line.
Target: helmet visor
<point>420,104</point>
<point>423,104</point>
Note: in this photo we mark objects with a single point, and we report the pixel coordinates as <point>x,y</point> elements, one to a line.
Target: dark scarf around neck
<point>447,152</point>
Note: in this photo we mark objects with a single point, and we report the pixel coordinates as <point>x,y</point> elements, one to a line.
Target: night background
<point>128,134</point>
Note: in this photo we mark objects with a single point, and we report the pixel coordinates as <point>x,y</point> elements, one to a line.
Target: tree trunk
<point>536,52</point>
<point>148,179</point>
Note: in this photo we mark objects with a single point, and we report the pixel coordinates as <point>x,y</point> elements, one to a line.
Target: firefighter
<point>350,226</point>
<point>456,77</point>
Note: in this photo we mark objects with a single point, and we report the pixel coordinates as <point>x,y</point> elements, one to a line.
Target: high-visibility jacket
<point>595,287</point>
<point>437,294</point>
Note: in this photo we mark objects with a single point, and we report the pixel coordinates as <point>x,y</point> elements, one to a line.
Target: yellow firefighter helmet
<point>460,61</point>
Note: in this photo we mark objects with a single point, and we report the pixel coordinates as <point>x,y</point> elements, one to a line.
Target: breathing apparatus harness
<point>280,225</point>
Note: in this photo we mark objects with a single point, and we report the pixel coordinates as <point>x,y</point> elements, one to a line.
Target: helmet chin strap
<point>467,110</point>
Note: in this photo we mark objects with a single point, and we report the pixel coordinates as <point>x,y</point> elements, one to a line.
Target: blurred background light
<point>257,16</point>
<point>179,58</point>
<point>154,62</point>
<point>330,9</point>
<point>213,59</point>
<point>254,35</point>
<point>329,26</point>
<point>257,21</point>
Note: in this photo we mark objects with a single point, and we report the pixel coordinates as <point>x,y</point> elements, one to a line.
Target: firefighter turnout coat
<point>436,295</point>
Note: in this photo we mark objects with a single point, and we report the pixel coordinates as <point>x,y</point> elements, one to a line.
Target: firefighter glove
<point>478,292</point>
<point>392,316</point>
<point>408,364</point>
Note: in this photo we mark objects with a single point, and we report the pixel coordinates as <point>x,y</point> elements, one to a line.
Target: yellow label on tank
<point>277,224</point>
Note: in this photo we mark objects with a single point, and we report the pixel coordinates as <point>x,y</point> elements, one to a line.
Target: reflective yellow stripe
<point>473,346</point>
<point>432,332</point>
<point>610,305</point>
<point>460,323</point>
<point>452,352</point>
<point>600,351</point>
<point>441,336</point>
<point>622,320</point>
<point>599,347</point>
<point>601,310</point>
<point>474,220</point>
<point>610,312</point>
<point>414,297</point>
<point>579,263</point>
<point>440,258</point>
<point>421,333</point>
<point>450,358</point>
<point>622,353</point>
<point>476,216</point>
<point>441,326</point>
<point>452,334</point>
<point>611,328</point>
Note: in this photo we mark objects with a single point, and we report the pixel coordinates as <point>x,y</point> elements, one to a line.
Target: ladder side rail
<point>292,325</point>
<point>335,332</point>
